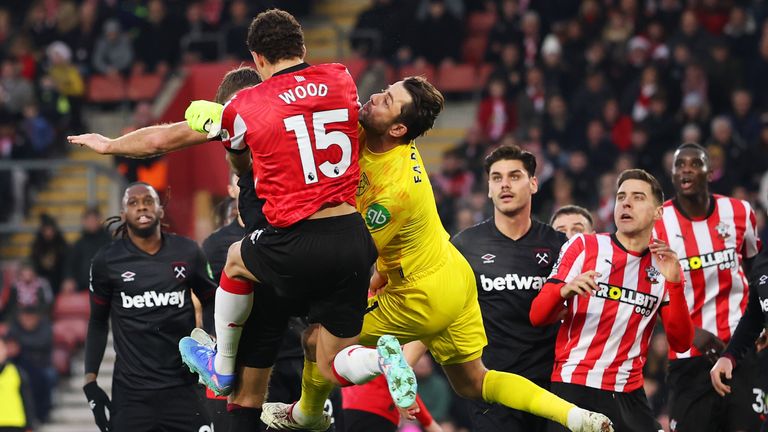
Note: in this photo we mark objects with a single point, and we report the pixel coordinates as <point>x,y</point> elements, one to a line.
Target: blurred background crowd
<point>590,87</point>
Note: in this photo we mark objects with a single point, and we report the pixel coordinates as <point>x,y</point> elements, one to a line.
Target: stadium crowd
<point>589,87</point>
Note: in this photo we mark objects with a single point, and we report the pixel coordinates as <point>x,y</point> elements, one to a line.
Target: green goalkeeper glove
<point>204,116</point>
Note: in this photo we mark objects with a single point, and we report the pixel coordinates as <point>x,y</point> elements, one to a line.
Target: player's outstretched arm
<point>143,143</point>
<point>675,317</point>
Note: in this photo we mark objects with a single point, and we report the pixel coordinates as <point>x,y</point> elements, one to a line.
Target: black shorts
<point>695,406</point>
<point>323,264</point>
<point>629,412</point>
<point>179,408</point>
<point>356,421</point>
<point>498,418</point>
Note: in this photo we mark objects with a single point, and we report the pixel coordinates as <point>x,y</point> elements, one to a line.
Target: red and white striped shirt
<point>604,338</point>
<point>711,251</point>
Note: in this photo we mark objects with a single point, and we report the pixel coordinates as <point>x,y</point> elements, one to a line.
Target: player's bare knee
<point>234,266</point>
<point>309,342</point>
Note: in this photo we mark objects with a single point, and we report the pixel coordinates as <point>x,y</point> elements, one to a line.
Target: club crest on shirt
<point>652,275</point>
<point>363,185</point>
<point>179,270</point>
<point>542,256</point>
<point>723,230</point>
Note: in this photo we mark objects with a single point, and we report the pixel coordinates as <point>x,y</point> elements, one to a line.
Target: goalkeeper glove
<point>205,117</point>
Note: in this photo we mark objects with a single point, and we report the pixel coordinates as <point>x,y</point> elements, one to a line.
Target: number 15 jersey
<point>301,128</point>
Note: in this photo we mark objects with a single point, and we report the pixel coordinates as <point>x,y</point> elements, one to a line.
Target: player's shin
<point>315,389</point>
<point>234,300</point>
<point>517,392</point>
<point>356,364</point>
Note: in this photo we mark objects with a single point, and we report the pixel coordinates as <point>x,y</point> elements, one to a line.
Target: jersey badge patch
<point>179,270</point>
<point>488,258</point>
<point>723,230</point>
<point>763,280</point>
<point>652,275</point>
<point>376,216</point>
<point>543,256</point>
<point>128,276</point>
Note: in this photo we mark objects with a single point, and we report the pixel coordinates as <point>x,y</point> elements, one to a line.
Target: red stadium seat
<point>144,86</point>
<point>473,50</point>
<point>480,23</point>
<point>426,70</point>
<point>356,66</point>
<point>102,88</point>
<point>460,78</point>
<point>61,362</point>
<point>74,305</point>
<point>484,71</point>
<point>69,333</point>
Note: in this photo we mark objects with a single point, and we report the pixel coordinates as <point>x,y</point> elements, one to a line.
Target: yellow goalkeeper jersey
<point>396,200</point>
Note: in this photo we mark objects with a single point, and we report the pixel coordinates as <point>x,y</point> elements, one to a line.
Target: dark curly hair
<point>276,35</point>
<point>419,115</point>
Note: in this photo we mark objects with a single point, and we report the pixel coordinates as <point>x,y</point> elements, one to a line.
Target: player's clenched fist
<point>202,114</point>
<point>99,403</point>
<point>583,285</point>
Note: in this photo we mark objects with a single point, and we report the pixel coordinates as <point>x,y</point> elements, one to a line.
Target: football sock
<point>234,300</point>
<point>356,364</point>
<point>315,389</point>
<point>519,393</point>
<point>244,419</point>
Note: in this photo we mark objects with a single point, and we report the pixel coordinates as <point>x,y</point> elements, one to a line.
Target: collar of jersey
<point>712,204</point>
<point>616,241</point>
<point>292,69</point>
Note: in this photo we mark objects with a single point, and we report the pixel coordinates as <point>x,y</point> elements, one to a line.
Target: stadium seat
<point>74,305</point>
<point>69,333</point>
<point>460,78</point>
<point>480,23</point>
<point>484,71</point>
<point>473,50</point>
<point>356,66</point>
<point>105,89</point>
<point>427,70</point>
<point>60,359</point>
<point>144,86</point>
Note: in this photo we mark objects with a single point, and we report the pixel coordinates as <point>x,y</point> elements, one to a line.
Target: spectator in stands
<point>740,33</point>
<point>33,332</point>
<point>113,53</point>
<point>510,69</point>
<point>724,74</point>
<point>557,122</point>
<point>759,71</point>
<point>237,31</point>
<point>691,35</point>
<point>68,83</point>
<point>38,131</point>
<point>736,150</point>
<point>49,251</point>
<point>496,116</point>
<point>157,47</point>
<point>721,180</point>
<point>472,150</point>
<point>40,25</point>
<point>694,110</point>
<point>531,102</point>
<point>17,411</point>
<point>375,34</point>
<point>555,72</point>
<point>440,35</point>
<point>637,97</point>
<point>601,152</point>
<point>28,291</point>
<point>505,31</point>
<point>453,179</point>
<point>745,121</point>
<point>16,92</point>
<point>587,102</point>
<point>199,41</point>
<point>85,35</point>
<point>618,124</point>
<point>92,237</point>
<point>661,127</point>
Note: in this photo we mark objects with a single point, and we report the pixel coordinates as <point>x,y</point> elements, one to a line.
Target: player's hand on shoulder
<point>96,142</point>
<point>99,403</point>
<point>583,285</point>
<point>201,115</point>
<point>666,259</point>
<point>723,368</point>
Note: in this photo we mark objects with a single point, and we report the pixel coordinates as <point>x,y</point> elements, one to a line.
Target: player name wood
<point>303,91</point>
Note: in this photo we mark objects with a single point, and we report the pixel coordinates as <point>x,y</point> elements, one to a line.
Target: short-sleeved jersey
<point>150,307</point>
<point>603,340</point>
<point>711,251</point>
<point>396,200</point>
<point>509,275</point>
<point>301,128</point>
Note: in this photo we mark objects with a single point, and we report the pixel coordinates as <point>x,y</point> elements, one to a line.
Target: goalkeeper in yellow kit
<point>425,288</point>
